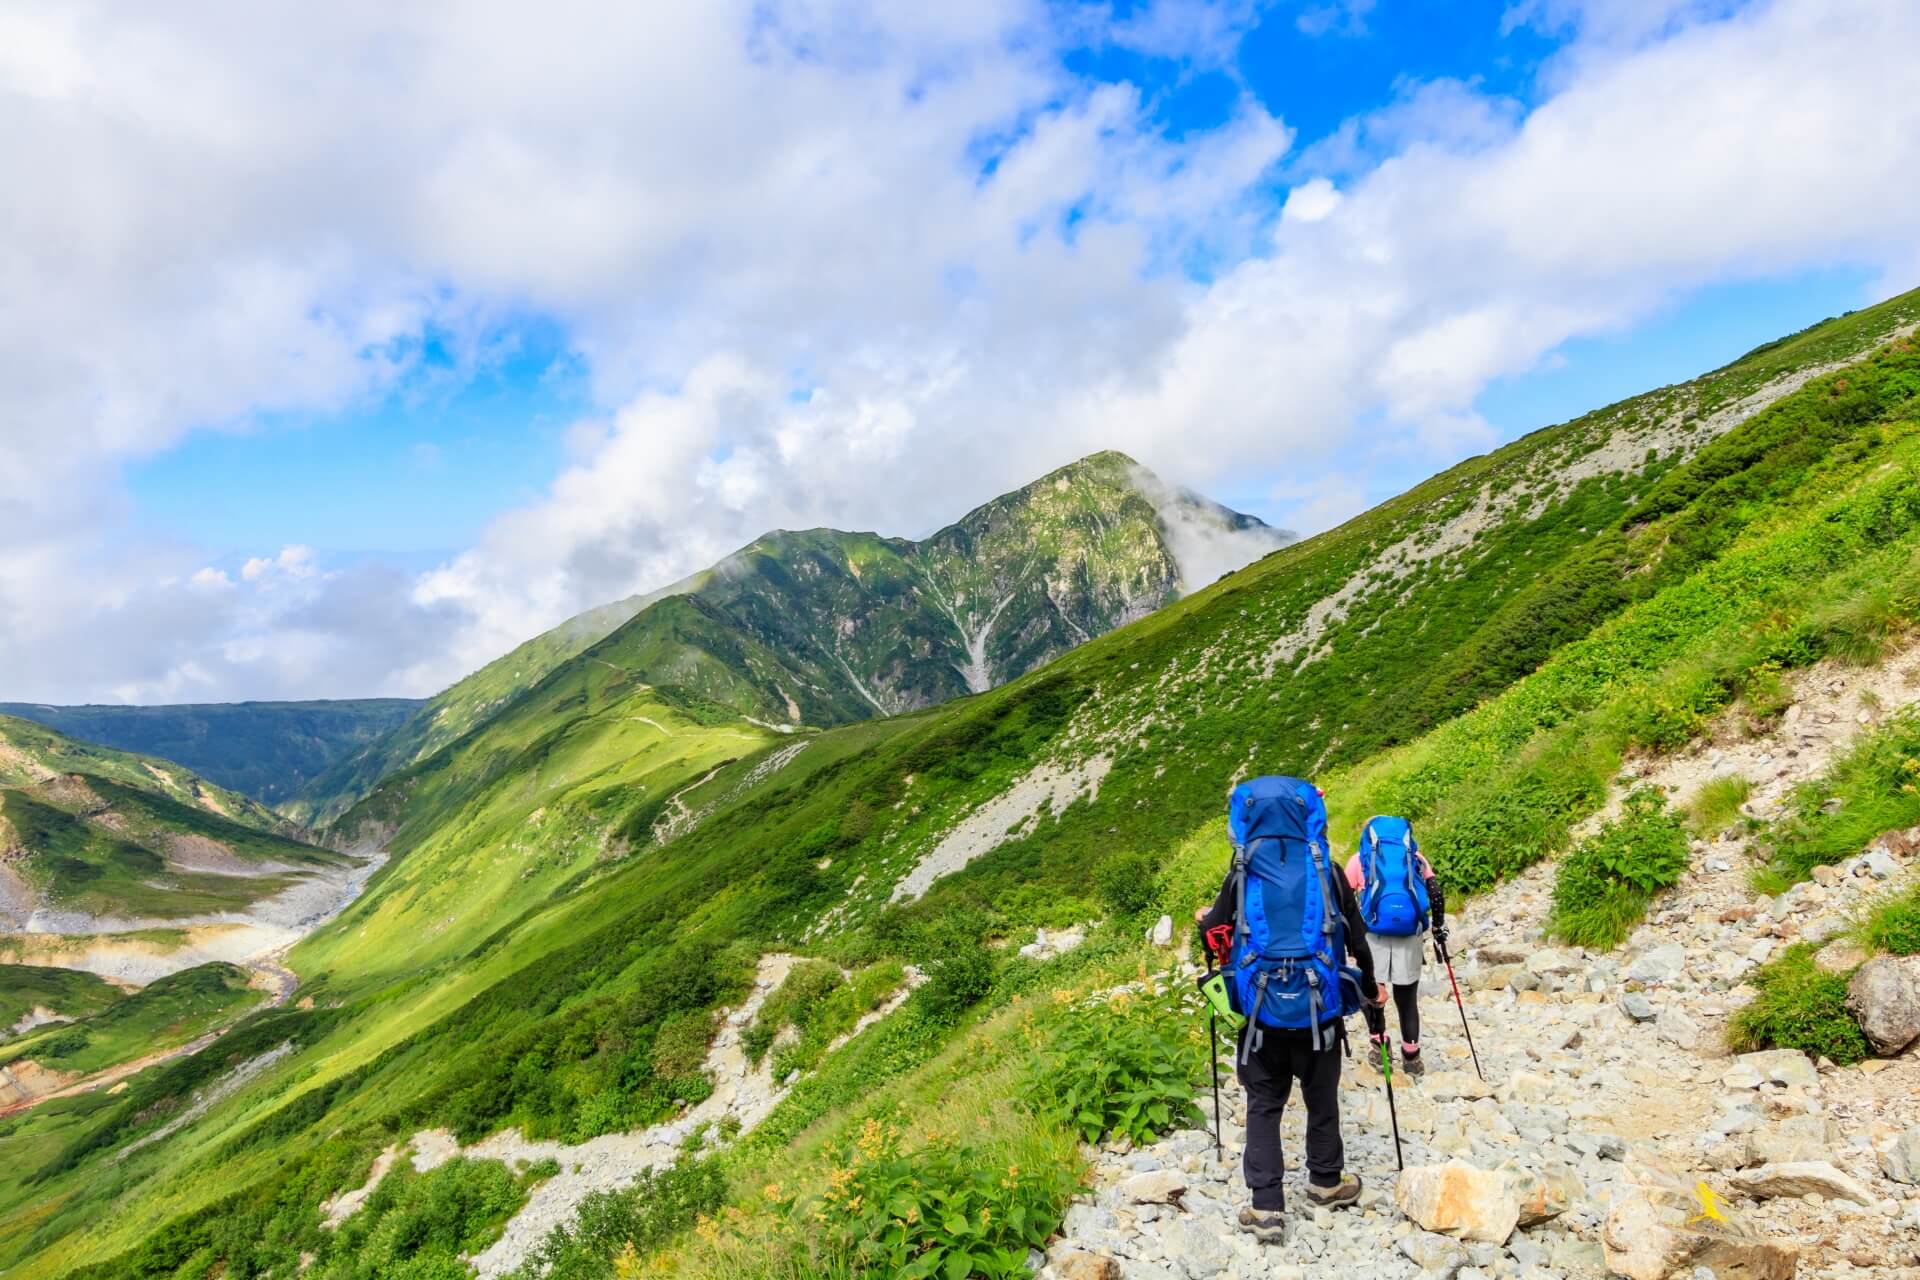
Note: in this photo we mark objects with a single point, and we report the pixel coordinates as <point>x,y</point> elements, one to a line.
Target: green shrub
<point>1894,924</point>
<point>1604,885</point>
<point>1125,883</point>
<point>1799,1007</point>
<point>680,1046</point>
<point>938,1210</point>
<point>1717,804</point>
<point>62,1044</point>
<point>873,984</point>
<point>416,1226</point>
<point>1129,1068</point>
<point>656,1207</point>
<point>957,982</point>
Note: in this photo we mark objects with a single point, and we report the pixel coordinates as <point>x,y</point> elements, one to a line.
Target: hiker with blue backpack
<point>1401,903</point>
<point>1295,965</point>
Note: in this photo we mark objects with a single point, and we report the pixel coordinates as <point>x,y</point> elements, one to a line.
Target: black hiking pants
<point>1268,1074</point>
<point>1406,1004</point>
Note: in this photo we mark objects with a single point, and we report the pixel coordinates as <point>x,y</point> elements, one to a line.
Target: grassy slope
<point>531,1023</point>
<point>28,751</point>
<point>265,750</point>
<point>161,1015</point>
<point>94,829</point>
<point>69,992</point>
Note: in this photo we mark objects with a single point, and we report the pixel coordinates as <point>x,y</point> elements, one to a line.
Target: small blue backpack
<point>1287,965</point>
<point>1394,900</point>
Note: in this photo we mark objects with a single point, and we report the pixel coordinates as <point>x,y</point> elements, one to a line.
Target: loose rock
<point>1460,1200</point>
<point>1884,998</point>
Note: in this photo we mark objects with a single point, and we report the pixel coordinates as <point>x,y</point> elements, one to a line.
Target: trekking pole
<point>1213,1058</point>
<point>1447,960</point>
<point>1386,1071</point>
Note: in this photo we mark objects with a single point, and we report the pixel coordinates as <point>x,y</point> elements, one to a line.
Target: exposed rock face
<point>1657,1232</point>
<point>1901,1160</point>
<point>1460,1200</point>
<point>1884,998</point>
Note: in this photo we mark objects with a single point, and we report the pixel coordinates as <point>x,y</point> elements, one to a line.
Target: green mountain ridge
<point>264,750</point>
<point>820,627</point>
<point>583,879</point>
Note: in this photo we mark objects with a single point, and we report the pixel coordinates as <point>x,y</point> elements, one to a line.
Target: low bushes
<point>1127,1068</point>
<point>937,1210</point>
<point>1799,1007</point>
<point>1603,886</point>
<point>417,1226</point>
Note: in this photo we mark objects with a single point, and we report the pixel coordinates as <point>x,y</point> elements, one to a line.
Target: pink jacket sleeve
<point>1356,874</point>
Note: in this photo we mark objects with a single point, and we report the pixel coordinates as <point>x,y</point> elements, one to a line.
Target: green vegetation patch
<point>1893,924</point>
<point>169,1012</point>
<point>1871,789</point>
<point>1602,888</point>
<point>1716,805</point>
<point>71,993</point>
<point>1799,1007</point>
<point>614,1230</point>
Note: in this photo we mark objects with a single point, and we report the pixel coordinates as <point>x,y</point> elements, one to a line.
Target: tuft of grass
<point>1893,924</point>
<point>1799,1007</point>
<point>1716,806</point>
<point>1603,887</point>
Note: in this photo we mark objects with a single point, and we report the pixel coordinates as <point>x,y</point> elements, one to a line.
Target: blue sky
<point>486,317</point>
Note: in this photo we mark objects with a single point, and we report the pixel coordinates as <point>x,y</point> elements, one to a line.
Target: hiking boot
<point>1374,1045</point>
<point>1268,1226</point>
<point>1411,1062</point>
<point>1344,1192</point>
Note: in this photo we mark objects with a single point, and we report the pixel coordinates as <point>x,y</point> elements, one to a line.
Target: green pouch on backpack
<point>1220,996</point>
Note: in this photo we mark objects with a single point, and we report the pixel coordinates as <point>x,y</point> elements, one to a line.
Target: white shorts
<point>1397,961</point>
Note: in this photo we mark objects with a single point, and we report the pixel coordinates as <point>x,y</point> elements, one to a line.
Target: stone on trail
<point>1842,955</point>
<point>1436,1255</point>
<point>1884,998</point>
<point>1460,1200</point>
<point>1638,1007</point>
<point>1189,1244</point>
<point>1454,1086</point>
<point>1544,1195</point>
<point>1664,1231</point>
<point>1158,1186</point>
<point>1678,1027</point>
<point>1662,964</point>
<point>1901,1160</point>
<point>1552,962</point>
<point>1078,1265</point>
<point>1781,1066</point>
<point>1162,932</point>
<point>1801,1178</point>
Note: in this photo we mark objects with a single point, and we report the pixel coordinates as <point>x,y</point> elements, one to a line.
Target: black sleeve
<point>1437,903</point>
<point>1221,912</point>
<point>1357,946</point>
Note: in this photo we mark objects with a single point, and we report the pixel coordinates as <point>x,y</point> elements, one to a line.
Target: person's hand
<point>1199,914</point>
<point>1440,934</point>
<point>1379,996</point>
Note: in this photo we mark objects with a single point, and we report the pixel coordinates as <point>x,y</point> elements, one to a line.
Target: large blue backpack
<point>1289,939</point>
<point>1394,900</point>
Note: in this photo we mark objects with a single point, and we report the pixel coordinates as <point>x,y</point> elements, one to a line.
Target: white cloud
<point>1336,17</point>
<point>229,217</point>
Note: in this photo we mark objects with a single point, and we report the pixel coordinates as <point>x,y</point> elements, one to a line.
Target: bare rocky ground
<point>1611,1116</point>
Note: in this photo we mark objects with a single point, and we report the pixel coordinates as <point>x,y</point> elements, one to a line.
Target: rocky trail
<point>1614,1134</point>
<point>743,1095</point>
